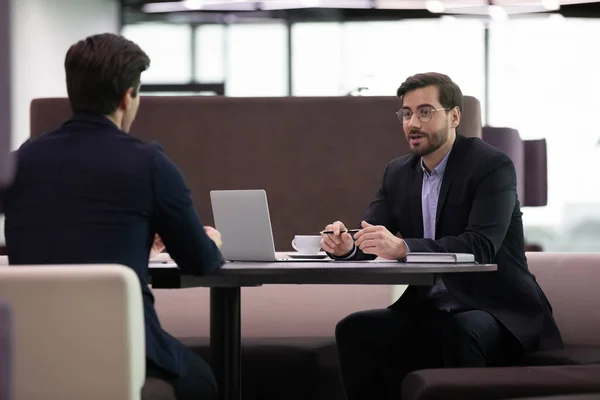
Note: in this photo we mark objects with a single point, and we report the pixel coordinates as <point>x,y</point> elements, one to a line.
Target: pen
<point>349,231</point>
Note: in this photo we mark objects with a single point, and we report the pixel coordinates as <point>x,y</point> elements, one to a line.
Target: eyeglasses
<point>424,114</point>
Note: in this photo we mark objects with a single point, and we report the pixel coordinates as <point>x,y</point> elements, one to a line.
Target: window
<point>380,55</point>
<point>210,53</point>
<point>257,63</point>
<point>317,59</point>
<point>544,80</point>
<point>169,49</point>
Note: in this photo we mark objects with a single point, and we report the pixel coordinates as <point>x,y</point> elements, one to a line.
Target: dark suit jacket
<point>478,212</point>
<point>89,193</point>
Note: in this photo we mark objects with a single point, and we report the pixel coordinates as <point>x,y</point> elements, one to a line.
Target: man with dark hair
<point>451,195</point>
<point>88,192</point>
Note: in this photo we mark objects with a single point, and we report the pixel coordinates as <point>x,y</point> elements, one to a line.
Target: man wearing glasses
<point>451,195</point>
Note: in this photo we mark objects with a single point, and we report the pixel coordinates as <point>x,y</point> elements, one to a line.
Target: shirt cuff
<point>349,256</point>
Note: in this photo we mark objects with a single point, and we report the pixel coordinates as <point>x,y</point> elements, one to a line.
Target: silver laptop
<point>242,217</point>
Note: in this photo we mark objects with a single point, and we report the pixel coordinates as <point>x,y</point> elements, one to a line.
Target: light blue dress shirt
<point>430,193</point>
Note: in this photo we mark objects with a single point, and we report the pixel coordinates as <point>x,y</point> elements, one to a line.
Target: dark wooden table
<point>225,301</point>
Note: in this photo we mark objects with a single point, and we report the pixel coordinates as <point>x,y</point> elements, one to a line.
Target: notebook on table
<point>457,258</point>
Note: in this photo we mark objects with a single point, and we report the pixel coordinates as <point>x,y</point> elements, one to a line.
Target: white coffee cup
<point>307,244</point>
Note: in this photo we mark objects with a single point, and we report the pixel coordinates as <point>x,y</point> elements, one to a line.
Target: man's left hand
<point>157,246</point>
<point>377,240</point>
<point>214,235</point>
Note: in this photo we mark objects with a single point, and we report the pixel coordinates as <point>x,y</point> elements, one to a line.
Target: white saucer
<point>162,257</point>
<point>295,254</point>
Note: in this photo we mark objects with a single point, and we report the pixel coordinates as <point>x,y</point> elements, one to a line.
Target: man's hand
<point>339,243</point>
<point>157,246</point>
<point>377,240</point>
<point>214,235</point>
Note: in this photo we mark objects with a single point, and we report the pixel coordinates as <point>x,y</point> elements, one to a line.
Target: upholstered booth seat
<point>530,160</point>
<point>6,350</point>
<point>499,383</point>
<point>569,280</point>
<point>584,396</point>
<point>570,355</point>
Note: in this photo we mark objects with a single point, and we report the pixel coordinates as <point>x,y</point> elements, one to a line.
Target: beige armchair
<point>78,331</point>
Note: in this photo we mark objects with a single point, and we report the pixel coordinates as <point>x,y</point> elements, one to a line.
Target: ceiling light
<point>556,18</point>
<point>448,19</point>
<point>435,6</point>
<point>551,5</point>
<point>193,4</point>
<point>310,3</point>
<point>172,6</point>
<point>497,13</point>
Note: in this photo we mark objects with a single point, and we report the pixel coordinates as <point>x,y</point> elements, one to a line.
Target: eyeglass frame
<point>401,117</point>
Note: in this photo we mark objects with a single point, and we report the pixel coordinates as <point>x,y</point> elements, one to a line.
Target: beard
<point>428,142</point>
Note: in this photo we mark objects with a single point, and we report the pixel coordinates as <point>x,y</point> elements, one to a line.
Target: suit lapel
<point>416,205</point>
<point>454,158</point>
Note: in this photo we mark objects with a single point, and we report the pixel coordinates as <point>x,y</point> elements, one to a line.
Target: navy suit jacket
<point>89,193</point>
<point>478,212</point>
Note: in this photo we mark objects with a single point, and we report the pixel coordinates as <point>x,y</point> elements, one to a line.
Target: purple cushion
<point>5,351</point>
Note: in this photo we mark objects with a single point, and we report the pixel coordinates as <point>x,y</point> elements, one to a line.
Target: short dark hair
<point>100,69</point>
<point>450,94</point>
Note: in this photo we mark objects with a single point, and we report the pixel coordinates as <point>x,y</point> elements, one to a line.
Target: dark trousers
<point>198,382</point>
<point>378,348</point>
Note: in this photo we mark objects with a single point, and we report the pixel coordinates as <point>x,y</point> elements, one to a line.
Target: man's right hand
<point>340,242</point>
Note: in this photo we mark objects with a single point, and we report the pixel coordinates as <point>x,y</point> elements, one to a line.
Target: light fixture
<point>448,19</point>
<point>310,3</point>
<point>497,13</point>
<point>435,6</point>
<point>193,4</point>
<point>172,6</point>
<point>556,18</point>
<point>551,5</point>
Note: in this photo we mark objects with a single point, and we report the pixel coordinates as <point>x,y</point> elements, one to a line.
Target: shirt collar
<point>441,167</point>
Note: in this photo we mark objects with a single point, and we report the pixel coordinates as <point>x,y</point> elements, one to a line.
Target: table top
<point>166,274</point>
<point>377,272</point>
<point>373,266</point>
